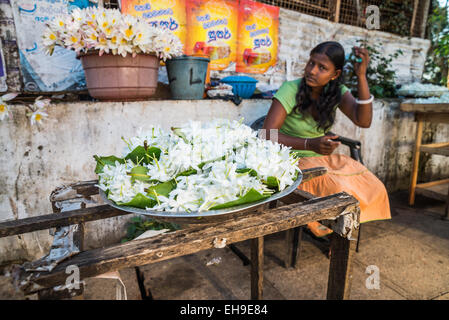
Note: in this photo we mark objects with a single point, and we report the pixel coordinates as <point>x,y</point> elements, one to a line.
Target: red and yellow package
<point>169,14</point>
<point>211,28</point>
<point>257,44</point>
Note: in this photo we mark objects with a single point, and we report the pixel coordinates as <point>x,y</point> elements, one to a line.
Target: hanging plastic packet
<point>257,37</point>
<point>212,27</point>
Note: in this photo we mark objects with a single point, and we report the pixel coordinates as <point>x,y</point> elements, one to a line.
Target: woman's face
<point>320,70</point>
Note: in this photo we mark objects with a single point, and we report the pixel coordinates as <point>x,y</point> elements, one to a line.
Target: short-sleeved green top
<point>301,125</point>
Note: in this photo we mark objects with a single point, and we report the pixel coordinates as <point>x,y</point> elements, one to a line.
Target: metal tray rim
<point>196,214</point>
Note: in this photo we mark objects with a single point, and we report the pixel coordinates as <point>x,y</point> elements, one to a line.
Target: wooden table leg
<point>289,242</point>
<point>416,152</point>
<point>257,268</point>
<point>293,246</point>
<point>340,267</point>
<point>446,214</point>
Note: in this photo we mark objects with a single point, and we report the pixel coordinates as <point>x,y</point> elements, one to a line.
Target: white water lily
<point>4,109</point>
<point>40,103</point>
<point>37,117</point>
<point>217,151</point>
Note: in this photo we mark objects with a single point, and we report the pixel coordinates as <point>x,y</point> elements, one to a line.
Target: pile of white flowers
<point>417,89</point>
<point>109,31</point>
<point>197,167</point>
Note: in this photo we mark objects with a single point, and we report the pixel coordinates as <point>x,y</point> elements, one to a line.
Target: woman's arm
<point>275,119</point>
<point>360,114</point>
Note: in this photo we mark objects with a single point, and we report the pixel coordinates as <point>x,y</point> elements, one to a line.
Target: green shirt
<point>301,125</point>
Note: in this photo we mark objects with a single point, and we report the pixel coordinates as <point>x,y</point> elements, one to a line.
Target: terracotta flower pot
<point>116,78</point>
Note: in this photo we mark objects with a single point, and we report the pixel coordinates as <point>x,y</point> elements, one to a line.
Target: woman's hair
<point>331,94</point>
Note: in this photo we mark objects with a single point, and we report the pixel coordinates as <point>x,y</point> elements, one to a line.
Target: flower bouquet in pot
<point>120,53</point>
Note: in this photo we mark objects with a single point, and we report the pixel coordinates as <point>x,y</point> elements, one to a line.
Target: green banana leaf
<point>252,172</point>
<point>202,164</point>
<point>139,201</point>
<point>251,196</point>
<point>139,173</point>
<point>102,161</point>
<point>140,155</point>
<point>187,172</point>
<point>272,183</point>
<point>163,189</point>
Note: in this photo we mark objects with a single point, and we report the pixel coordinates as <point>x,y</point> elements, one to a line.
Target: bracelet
<point>371,99</point>
<point>305,144</point>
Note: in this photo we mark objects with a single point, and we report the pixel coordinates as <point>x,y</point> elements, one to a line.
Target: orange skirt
<point>346,174</point>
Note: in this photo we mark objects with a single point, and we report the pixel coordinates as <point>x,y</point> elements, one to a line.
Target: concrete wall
<point>300,33</point>
<point>36,160</point>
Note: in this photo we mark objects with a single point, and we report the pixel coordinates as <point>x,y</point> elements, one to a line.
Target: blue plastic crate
<point>242,86</point>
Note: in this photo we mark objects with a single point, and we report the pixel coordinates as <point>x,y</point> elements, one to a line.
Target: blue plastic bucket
<point>186,76</point>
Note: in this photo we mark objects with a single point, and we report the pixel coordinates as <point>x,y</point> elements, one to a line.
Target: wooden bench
<point>341,211</point>
<point>431,113</point>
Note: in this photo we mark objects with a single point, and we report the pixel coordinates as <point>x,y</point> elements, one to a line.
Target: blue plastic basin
<point>242,86</point>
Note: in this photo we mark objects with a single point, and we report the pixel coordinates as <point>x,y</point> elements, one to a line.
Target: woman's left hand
<point>361,67</point>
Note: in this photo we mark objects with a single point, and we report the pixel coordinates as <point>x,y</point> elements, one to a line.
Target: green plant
<point>137,226</point>
<point>397,16</point>
<point>437,63</point>
<point>380,74</point>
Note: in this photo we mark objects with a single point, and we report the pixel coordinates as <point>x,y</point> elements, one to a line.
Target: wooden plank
<point>440,150</point>
<point>14,227</point>
<point>414,176</point>
<point>306,4</point>
<point>297,196</point>
<point>83,189</point>
<point>337,11</point>
<point>425,15</point>
<point>433,117</point>
<point>432,183</point>
<point>334,10</point>
<point>183,242</point>
<point>415,13</point>
<point>436,191</point>
<point>424,107</point>
<point>79,190</point>
<point>257,245</point>
<point>340,268</point>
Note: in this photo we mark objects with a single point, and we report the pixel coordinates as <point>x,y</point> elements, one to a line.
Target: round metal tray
<point>210,216</point>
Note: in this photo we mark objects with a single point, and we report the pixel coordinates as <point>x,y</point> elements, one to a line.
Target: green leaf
<point>202,164</point>
<point>139,201</point>
<point>131,230</point>
<point>187,173</point>
<point>139,173</point>
<point>154,152</point>
<point>272,183</point>
<point>251,196</point>
<point>252,172</point>
<point>136,219</point>
<point>102,161</point>
<point>163,189</point>
<point>140,155</point>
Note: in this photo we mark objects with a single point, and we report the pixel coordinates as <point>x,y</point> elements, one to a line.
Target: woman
<point>304,110</point>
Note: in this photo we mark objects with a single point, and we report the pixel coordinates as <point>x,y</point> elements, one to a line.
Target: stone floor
<point>410,251</point>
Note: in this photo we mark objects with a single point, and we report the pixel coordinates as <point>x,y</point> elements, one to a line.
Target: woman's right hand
<point>323,145</point>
